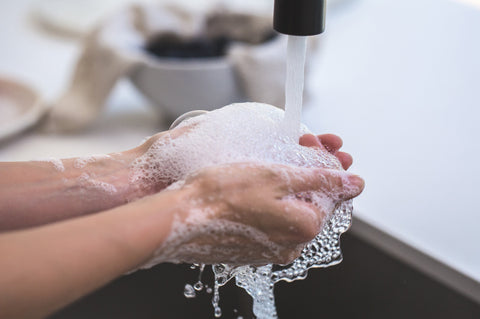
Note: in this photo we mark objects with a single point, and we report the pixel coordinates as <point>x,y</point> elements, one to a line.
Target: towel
<point>114,49</point>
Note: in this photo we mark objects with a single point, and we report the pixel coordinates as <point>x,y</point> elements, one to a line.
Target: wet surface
<point>367,284</point>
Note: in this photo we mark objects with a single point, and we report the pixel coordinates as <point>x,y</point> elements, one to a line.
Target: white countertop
<point>398,80</point>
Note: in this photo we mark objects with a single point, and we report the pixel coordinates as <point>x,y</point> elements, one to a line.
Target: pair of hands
<point>236,214</point>
<point>249,213</point>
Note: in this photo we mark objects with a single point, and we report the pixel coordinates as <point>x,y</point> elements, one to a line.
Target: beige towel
<point>113,50</point>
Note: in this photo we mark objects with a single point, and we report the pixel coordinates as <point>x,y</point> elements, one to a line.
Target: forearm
<point>45,268</point>
<point>39,192</point>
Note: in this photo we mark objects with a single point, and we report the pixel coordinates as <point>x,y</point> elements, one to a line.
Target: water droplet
<point>189,292</point>
<point>218,312</point>
<point>198,286</point>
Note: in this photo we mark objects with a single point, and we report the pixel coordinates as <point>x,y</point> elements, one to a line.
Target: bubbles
<point>248,132</point>
<point>198,286</point>
<point>240,133</point>
<point>81,162</point>
<point>258,282</point>
<point>189,291</point>
<point>57,163</point>
<point>216,301</point>
<point>89,181</point>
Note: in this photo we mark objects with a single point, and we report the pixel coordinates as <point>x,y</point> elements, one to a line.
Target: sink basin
<point>368,284</point>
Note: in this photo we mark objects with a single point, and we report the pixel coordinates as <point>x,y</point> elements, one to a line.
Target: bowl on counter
<point>182,72</point>
<point>178,86</point>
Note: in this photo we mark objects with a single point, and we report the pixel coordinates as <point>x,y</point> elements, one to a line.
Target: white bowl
<point>181,85</point>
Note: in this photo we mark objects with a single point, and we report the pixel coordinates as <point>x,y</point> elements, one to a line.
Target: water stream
<point>296,52</point>
<point>323,251</point>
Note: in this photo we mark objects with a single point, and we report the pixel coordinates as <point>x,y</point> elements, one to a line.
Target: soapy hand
<point>325,142</point>
<point>233,213</point>
<point>328,142</point>
<point>252,214</point>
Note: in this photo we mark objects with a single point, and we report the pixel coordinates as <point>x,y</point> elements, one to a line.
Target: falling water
<point>296,52</point>
<point>323,251</point>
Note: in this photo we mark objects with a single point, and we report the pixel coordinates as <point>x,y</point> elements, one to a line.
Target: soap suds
<point>88,181</point>
<point>57,163</point>
<point>249,132</point>
<point>240,133</point>
<point>81,162</point>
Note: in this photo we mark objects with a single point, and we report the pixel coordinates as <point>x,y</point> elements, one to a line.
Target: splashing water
<point>323,251</point>
<point>258,282</point>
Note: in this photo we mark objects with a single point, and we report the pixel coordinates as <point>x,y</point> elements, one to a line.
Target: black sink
<point>367,284</point>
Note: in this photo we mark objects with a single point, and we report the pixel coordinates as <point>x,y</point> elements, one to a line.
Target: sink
<point>369,283</point>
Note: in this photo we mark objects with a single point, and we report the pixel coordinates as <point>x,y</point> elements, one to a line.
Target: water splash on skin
<point>323,251</point>
<point>250,132</point>
<point>258,282</point>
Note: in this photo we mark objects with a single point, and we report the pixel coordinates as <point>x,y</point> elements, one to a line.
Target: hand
<point>328,142</point>
<point>250,214</point>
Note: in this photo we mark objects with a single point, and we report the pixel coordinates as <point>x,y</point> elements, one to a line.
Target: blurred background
<point>399,81</point>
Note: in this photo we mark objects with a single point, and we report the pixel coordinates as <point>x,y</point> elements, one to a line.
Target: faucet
<point>299,17</point>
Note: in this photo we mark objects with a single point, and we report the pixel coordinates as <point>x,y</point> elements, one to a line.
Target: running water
<point>296,52</point>
<point>324,250</point>
<point>250,132</point>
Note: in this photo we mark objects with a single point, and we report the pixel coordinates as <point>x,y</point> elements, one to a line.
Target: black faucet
<point>299,17</point>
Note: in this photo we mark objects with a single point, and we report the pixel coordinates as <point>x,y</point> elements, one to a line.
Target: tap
<point>299,17</point>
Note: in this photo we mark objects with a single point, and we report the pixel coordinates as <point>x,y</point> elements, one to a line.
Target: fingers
<point>337,184</point>
<point>345,159</point>
<point>309,140</point>
<point>308,222</point>
<point>300,222</point>
<point>331,142</point>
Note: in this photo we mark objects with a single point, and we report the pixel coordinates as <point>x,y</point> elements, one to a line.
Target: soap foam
<point>239,133</point>
<point>57,163</point>
<point>81,162</point>
<point>248,132</point>
<point>89,181</point>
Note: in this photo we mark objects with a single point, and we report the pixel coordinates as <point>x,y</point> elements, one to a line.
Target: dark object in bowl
<point>221,30</point>
<point>172,46</point>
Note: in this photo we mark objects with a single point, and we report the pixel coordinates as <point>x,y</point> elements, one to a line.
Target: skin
<point>49,265</point>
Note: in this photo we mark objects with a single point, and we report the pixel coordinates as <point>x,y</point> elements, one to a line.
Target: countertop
<point>398,80</point>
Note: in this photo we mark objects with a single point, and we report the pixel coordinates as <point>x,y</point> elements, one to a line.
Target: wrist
<point>147,224</point>
<point>141,170</point>
<point>100,182</point>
